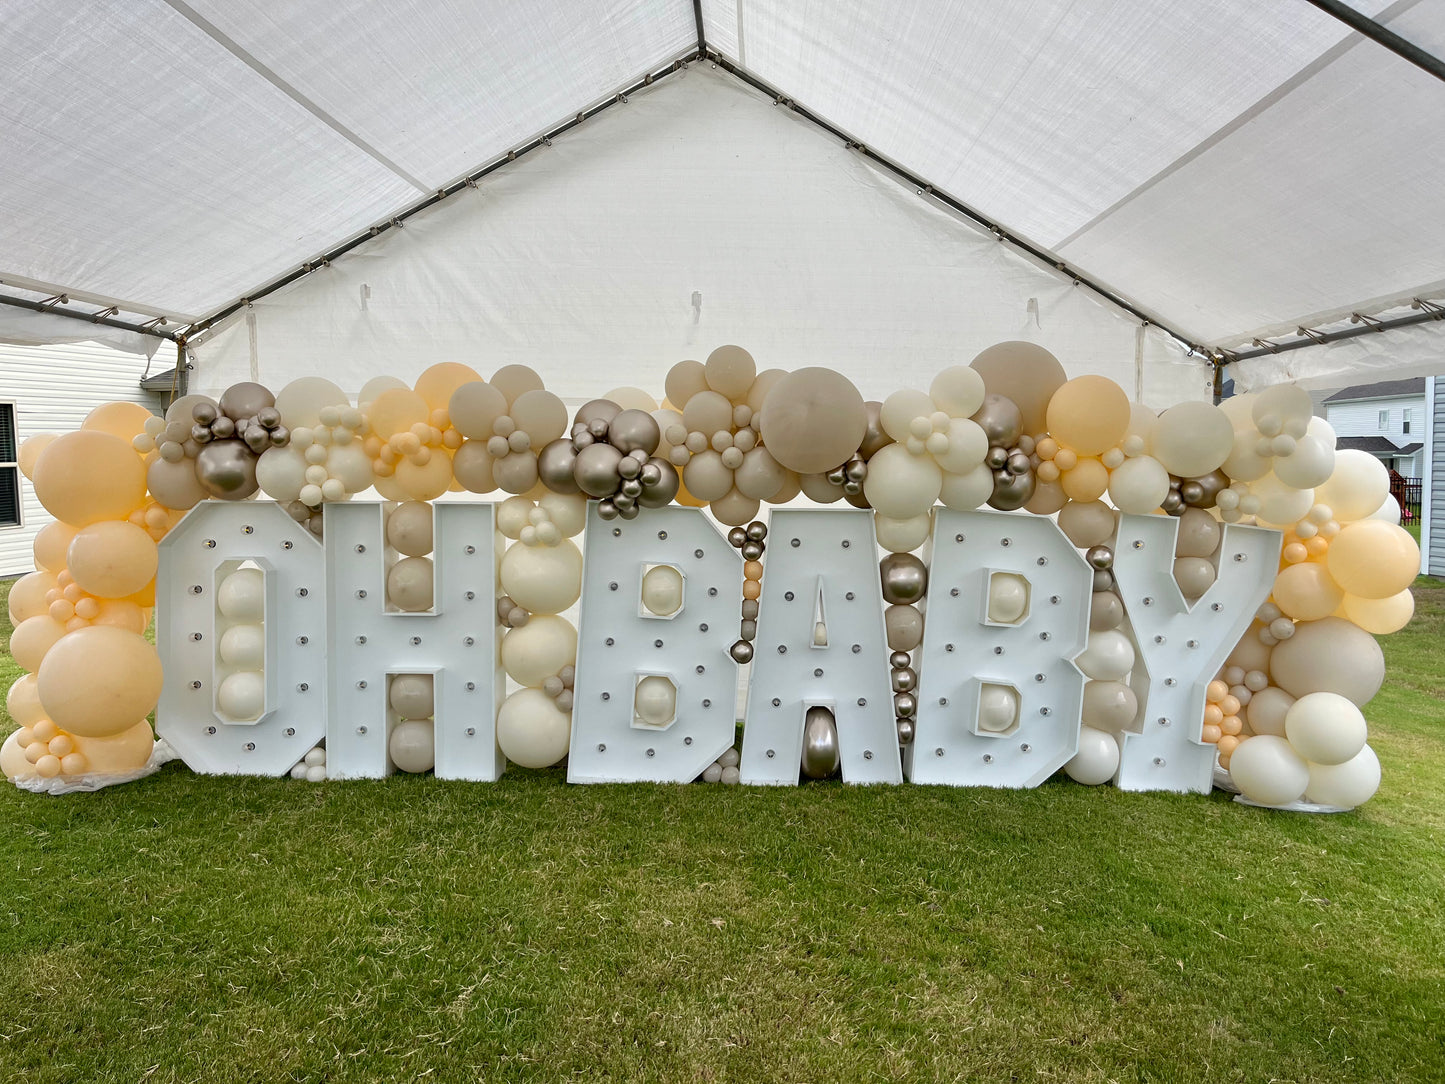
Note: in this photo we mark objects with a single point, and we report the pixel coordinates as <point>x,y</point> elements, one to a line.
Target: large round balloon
<point>1192,438</point>
<point>112,559</point>
<point>1372,559</point>
<point>124,420</point>
<point>1097,759</point>
<point>813,420</point>
<point>1089,414</point>
<point>412,745</point>
<point>539,649</point>
<point>99,680</point>
<point>89,475</point>
<point>1024,372</point>
<point>531,731</point>
<point>1330,655</point>
<point>1267,770</point>
<point>900,484</point>
<point>543,579</point>
<point>1358,485</point>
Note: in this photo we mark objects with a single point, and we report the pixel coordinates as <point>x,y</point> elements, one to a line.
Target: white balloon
<point>1008,597</point>
<point>531,731</point>
<point>1345,785</point>
<point>242,595</point>
<point>543,579</point>
<point>1108,655</point>
<point>899,410</point>
<point>412,746</point>
<point>662,590</point>
<point>1389,511</point>
<point>281,472</point>
<point>1325,728</point>
<point>1191,438</point>
<point>539,649</point>
<point>244,646</point>
<point>1358,485</point>
<point>902,485</point>
<point>1309,465</point>
<point>1097,759</point>
<point>512,515</point>
<point>242,695</point>
<point>965,492</point>
<point>967,445</point>
<point>998,708</point>
<point>1267,770</point>
<point>654,703</point>
<point>902,535</point>
<point>314,757</point>
<point>412,696</point>
<point>1138,485</point>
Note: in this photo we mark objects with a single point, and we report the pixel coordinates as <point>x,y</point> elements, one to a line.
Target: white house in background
<point>50,389</point>
<point>1387,419</point>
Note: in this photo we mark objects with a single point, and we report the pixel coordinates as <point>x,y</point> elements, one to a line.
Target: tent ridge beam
<point>1383,35</point>
<point>398,220</point>
<point>926,188</point>
<point>106,317</point>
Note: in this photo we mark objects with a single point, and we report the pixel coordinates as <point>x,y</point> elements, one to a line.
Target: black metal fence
<point>1407,491</point>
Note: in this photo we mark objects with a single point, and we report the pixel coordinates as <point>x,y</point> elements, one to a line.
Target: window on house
<point>1384,419</point>
<point>9,469</point>
<point>1407,420</point>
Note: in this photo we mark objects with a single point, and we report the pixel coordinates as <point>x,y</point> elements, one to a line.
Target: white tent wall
<point>53,389</point>
<point>694,215</point>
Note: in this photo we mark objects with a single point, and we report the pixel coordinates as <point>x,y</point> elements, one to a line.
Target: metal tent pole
<point>54,307</point>
<point>1383,35</point>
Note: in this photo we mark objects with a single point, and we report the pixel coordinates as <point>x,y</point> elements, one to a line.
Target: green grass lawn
<point>193,929</point>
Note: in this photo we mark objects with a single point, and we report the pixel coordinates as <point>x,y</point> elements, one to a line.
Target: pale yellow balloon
<point>1358,485</point>
<point>112,559</point>
<point>87,476</point>
<point>51,545</point>
<point>23,701</point>
<point>118,754</point>
<point>1373,559</point>
<point>1381,616</point>
<point>124,420</point>
<point>30,451</point>
<point>396,410</point>
<point>33,639</point>
<point>437,383</point>
<point>543,579</point>
<point>1089,414</point>
<point>1306,592</point>
<point>1087,480</point>
<point>13,764</point>
<point>97,681</point>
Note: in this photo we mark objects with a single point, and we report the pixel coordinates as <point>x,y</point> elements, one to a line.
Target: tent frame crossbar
<point>1383,35</point>
<point>106,317</point>
<point>1430,311</point>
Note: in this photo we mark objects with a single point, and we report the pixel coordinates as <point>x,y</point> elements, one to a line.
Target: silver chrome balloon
<point>874,438</point>
<point>1001,420</point>
<point>1012,491</point>
<point>227,469</point>
<point>904,705</point>
<point>1099,557</point>
<point>752,551</point>
<point>606,509</point>
<point>900,660</point>
<point>757,530</point>
<point>742,652</point>
<point>628,468</point>
<point>736,537</point>
<point>996,458</point>
<point>1172,503</point>
<point>658,493</point>
<point>634,430</point>
<point>555,463</point>
<point>603,410</point>
<point>905,731</point>
<point>820,744</point>
<point>905,679</point>
<point>1018,463</point>
<point>1210,485</point>
<point>904,578</point>
<point>245,399</point>
<point>596,470</point>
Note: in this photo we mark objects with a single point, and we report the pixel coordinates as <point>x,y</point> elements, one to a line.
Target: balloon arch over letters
<point>1164,602</point>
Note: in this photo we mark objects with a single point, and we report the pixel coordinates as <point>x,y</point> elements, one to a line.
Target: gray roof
<point>1383,390</point>
<point>1377,445</point>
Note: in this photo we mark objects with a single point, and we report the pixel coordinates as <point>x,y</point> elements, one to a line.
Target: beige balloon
<point>1024,372</point>
<point>1330,655</point>
<point>733,509</point>
<point>515,380</point>
<point>541,415</point>
<point>474,409</point>
<point>813,420</point>
<point>683,381</point>
<point>409,584</point>
<point>409,529</point>
<point>1088,523</point>
<point>1191,439</point>
<point>730,371</point>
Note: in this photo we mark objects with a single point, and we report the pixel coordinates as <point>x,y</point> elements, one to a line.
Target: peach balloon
<point>13,764</point>
<point>124,420</point>
<point>1306,592</point>
<point>30,451</point>
<point>436,384</point>
<point>425,482</point>
<point>1380,616</point>
<point>112,559</point>
<point>97,681</point>
<point>87,476</point>
<point>127,751</point>
<point>121,613</point>
<point>1089,414</point>
<point>1373,559</point>
<point>27,595</point>
<point>23,701</point>
<point>32,640</point>
<point>396,410</point>
<point>51,543</point>
<point>1086,481</point>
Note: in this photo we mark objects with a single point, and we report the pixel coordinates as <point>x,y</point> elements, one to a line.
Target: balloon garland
<point>1009,431</point>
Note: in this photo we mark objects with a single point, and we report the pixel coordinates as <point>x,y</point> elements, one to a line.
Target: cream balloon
<point>514,514</point>
<point>539,649</point>
<point>567,511</point>
<point>958,391</point>
<point>1191,438</point>
<point>967,446</point>
<point>901,485</point>
<point>244,647</point>
<point>300,402</point>
<point>1325,728</point>
<point>654,703</point>
<point>998,708</point>
<point>242,696</point>
<point>1281,505</point>
<point>543,579</point>
<point>412,746</point>
<point>1267,770</point>
<point>964,492</point>
<point>902,535</point>
<point>662,590</point>
<point>1138,485</point>
<point>1108,656</point>
<point>281,472</point>
<point>1346,785</point>
<point>241,596</point>
<point>1008,598</point>
<point>531,731</point>
<point>1097,758</point>
<point>1309,465</point>
<point>901,408</point>
<point>1358,485</point>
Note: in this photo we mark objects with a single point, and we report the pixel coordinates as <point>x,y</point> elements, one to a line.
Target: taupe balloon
<point>742,652</point>
<point>1199,534</point>
<point>904,577</point>
<point>874,438</point>
<point>1011,491</point>
<point>1026,373</point>
<point>905,679</point>
<point>555,463</point>
<point>596,469</point>
<point>245,399</point>
<point>904,705</point>
<point>659,493</point>
<point>812,420</point>
<point>631,430</point>
<point>1106,611</point>
<point>750,609</point>
<point>603,410</point>
<point>1103,580</point>
<point>515,473</point>
<point>820,744</point>
<point>227,469</point>
<point>472,467</point>
<point>174,484</point>
<point>1000,420</point>
<point>857,499</point>
<point>904,625</point>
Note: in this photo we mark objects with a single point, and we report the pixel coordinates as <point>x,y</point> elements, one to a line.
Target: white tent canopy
<point>1231,171</point>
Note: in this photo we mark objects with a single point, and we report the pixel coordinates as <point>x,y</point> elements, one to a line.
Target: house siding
<point>1435,544</point>
<point>53,389</point>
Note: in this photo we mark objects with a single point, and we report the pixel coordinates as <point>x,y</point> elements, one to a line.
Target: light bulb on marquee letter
<point>1182,646</point>
<point>820,643</point>
<point>999,695</point>
<point>269,621</point>
<point>660,606</point>
<point>455,642</point>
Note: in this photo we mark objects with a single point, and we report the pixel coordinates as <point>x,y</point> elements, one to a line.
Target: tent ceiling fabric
<point>1235,168</point>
